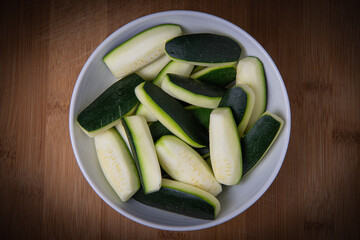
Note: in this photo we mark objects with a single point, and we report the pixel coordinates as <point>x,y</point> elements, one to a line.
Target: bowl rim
<point>206,224</point>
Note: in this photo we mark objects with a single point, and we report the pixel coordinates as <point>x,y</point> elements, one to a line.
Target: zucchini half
<point>105,111</point>
<point>203,49</point>
<point>117,164</point>
<point>149,72</point>
<point>250,71</point>
<point>219,75</point>
<point>144,153</point>
<point>140,50</point>
<point>225,148</point>
<point>259,139</point>
<point>184,164</point>
<point>143,111</point>
<point>193,91</point>
<point>182,198</point>
<point>240,99</point>
<point>181,68</point>
<point>172,115</point>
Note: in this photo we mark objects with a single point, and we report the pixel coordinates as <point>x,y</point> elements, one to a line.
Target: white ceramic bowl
<point>95,78</point>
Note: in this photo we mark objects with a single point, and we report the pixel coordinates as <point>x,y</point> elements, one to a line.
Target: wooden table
<point>44,44</point>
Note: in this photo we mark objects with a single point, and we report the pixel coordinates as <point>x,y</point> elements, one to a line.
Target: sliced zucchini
<point>250,71</point>
<point>120,128</point>
<point>259,139</point>
<point>158,130</point>
<point>105,111</point>
<point>172,115</point>
<point>140,50</point>
<point>197,68</point>
<point>193,91</point>
<point>175,67</point>
<point>184,164</point>
<point>225,148</point>
<point>149,72</point>
<point>203,114</point>
<point>143,111</point>
<point>240,99</point>
<point>117,164</point>
<point>218,75</point>
<point>144,153</point>
<point>182,198</point>
<point>203,49</point>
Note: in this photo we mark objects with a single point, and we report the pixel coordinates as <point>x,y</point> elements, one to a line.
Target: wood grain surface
<point>43,47</point>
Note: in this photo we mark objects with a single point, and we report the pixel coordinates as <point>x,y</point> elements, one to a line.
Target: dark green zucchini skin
<point>203,114</point>
<point>111,105</point>
<point>203,48</point>
<point>221,77</point>
<point>158,130</point>
<point>186,121</point>
<point>196,86</point>
<point>178,202</point>
<point>236,99</point>
<point>256,142</point>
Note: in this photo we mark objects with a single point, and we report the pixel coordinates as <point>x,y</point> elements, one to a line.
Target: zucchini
<point>240,99</point>
<point>172,115</point>
<point>105,111</point>
<point>143,150</point>
<point>158,130</point>
<point>149,72</point>
<point>193,91</point>
<point>250,71</point>
<point>180,68</point>
<point>225,148</point>
<point>140,50</point>
<point>259,139</point>
<point>197,68</point>
<point>120,128</point>
<point>203,49</point>
<point>203,114</point>
<point>184,164</point>
<point>218,75</point>
<point>183,199</point>
<point>117,164</point>
<point>143,111</point>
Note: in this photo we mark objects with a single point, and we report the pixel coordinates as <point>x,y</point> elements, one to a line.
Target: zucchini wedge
<point>203,114</point>
<point>172,115</point>
<point>203,49</point>
<point>197,68</point>
<point>143,111</point>
<point>225,148</point>
<point>144,153</point>
<point>184,164</point>
<point>218,75</point>
<point>240,99</point>
<point>182,198</point>
<point>121,130</point>
<point>117,164</point>
<point>250,71</point>
<point>105,111</point>
<point>193,91</point>
<point>158,130</point>
<point>149,72</point>
<point>183,69</point>
<point>140,50</point>
<point>259,139</point>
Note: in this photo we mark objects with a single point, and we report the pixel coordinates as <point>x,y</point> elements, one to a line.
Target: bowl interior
<point>95,78</point>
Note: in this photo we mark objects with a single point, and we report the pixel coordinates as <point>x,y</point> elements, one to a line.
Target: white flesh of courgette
<point>117,164</point>
<point>143,111</point>
<point>140,50</point>
<point>225,148</point>
<point>181,68</point>
<point>149,72</point>
<point>184,164</point>
<point>249,108</point>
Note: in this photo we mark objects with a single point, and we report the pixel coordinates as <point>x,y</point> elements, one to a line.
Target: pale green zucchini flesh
<point>184,164</point>
<point>149,72</point>
<point>105,111</point>
<point>225,148</point>
<point>250,71</point>
<point>259,139</point>
<point>172,115</point>
<point>182,198</point>
<point>203,49</point>
<point>144,153</point>
<point>117,164</point>
<point>140,50</point>
<point>193,91</point>
<point>143,111</point>
<point>240,99</point>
